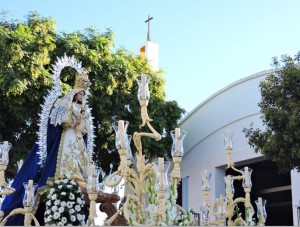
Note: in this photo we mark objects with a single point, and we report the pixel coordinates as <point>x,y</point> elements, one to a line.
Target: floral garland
<point>65,204</point>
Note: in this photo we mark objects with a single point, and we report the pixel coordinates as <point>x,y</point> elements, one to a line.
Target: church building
<point>234,108</point>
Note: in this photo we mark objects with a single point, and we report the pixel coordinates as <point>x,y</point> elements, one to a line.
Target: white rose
<point>58,181</point>
<point>54,197</point>
<point>71,196</point>
<point>52,190</point>
<point>73,182</point>
<point>71,211</point>
<point>61,210</point>
<point>60,186</point>
<point>57,202</point>
<point>73,218</point>
<point>48,212</point>
<point>77,208</point>
<point>65,181</point>
<point>69,186</point>
<point>79,201</point>
<point>64,220</point>
<point>60,224</point>
<point>63,204</point>
<point>56,215</point>
<point>54,208</point>
<point>79,217</point>
<point>69,204</point>
<point>48,203</point>
<point>63,193</point>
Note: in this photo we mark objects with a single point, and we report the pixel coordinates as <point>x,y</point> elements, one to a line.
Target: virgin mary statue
<point>65,147</point>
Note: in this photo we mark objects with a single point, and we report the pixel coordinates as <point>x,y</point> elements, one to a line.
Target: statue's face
<point>79,96</point>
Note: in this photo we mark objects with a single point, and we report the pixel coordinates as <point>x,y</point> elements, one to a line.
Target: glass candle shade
<point>4,150</point>
<point>178,136</point>
<point>229,184</point>
<point>28,199</point>
<point>115,189</point>
<point>143,90</point>
<point>204,212</point>
<point>161,171</point>
<point>247,183</point>
<point>120,128</point>
<point>221,208</point>
<point>261,209</point>
<point>93,180</point>
<point>228,139</point>
<point>206,183</point>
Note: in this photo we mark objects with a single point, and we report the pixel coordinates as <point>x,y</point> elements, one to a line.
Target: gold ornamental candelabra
<point>4,159</point>
<point>225,208</point>
<point>152,196</point>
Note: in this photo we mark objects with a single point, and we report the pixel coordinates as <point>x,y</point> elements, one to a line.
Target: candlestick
<point>177,141</point>
<point>93,183</point>
<point>29,193</point>
<point>161,173</point>
<point>121,133</point>
<point>143,81</point>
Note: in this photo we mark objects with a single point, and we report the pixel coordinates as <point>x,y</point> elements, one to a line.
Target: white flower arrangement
<point>65,204</point>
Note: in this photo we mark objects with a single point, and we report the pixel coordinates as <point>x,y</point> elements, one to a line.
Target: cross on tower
<point>148,21</point>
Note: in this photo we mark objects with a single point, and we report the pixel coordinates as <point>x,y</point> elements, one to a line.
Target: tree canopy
<point>280,108</point>
<point>27,51</point>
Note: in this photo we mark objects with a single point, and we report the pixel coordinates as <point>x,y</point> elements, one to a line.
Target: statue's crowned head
<point>82,81</point>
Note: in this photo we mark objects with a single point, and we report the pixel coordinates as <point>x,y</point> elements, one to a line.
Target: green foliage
<point>27,51</point>
<point>280,108</point>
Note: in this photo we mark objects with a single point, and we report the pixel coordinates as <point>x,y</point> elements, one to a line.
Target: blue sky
<point>204,45</point>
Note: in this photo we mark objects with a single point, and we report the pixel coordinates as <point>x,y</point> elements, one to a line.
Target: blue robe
<point>32,171</point>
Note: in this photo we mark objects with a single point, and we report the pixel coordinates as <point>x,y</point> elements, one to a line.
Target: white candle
<point>177,141</point>
<point>29,192</point>
<point>143,82</point>
<point>205,178</point>
<point>121,133</point>
<point>4,152</point>
<point>20,163</point>
<point>161,173</point>
<point>205,174</point>
<point>92,171</point>
<point>246,177</point>
<point>259,203</point>
<point>246,173</point>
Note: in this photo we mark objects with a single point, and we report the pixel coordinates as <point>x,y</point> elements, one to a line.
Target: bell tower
<point>150,50</point>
